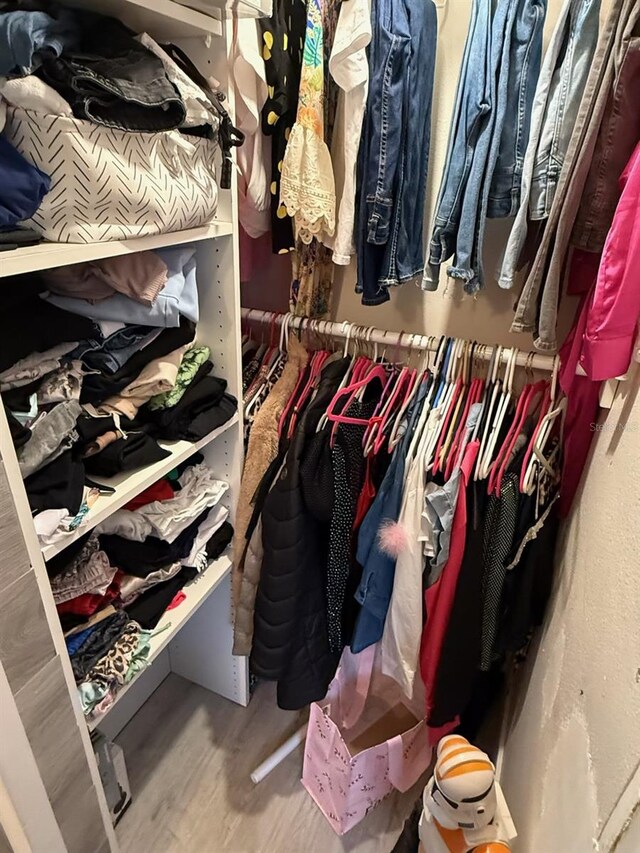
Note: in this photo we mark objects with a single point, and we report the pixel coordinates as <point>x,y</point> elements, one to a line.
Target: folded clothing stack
<point>99,363</point>
<point>74,87</point>
<point>112,587</point>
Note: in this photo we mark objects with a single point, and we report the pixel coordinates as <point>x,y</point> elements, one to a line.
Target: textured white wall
<point>574,744</point>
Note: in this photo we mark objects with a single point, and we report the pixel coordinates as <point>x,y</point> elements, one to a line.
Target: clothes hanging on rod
<point>402,505</point>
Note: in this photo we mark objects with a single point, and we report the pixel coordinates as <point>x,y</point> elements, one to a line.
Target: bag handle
<point>404,771</point>
<point>359,669</point>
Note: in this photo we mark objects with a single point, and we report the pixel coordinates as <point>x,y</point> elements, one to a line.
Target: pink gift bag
<point>364,740</point>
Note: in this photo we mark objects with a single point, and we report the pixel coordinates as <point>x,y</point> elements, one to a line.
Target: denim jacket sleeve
<point>615,309</point>
<point>388,80</point>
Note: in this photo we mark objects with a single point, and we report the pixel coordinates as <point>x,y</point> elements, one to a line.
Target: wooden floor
<point>189,754</point>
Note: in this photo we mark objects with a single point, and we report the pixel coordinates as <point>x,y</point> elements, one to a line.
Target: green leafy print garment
<point>191,362</point>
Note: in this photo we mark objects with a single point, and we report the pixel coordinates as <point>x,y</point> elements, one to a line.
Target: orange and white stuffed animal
<point>464,810</point>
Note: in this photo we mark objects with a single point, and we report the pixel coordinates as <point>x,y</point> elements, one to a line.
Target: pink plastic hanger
<point>377,371</point>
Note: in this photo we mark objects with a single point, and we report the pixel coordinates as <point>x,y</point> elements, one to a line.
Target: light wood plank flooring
<point>189,754</point>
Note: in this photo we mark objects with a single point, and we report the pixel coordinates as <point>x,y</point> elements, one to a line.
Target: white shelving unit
<point>198,635</point>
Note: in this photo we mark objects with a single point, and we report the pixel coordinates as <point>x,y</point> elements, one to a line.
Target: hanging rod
<point>400,339</point>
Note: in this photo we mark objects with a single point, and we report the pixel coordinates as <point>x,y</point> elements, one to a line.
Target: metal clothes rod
<point>535,361</point>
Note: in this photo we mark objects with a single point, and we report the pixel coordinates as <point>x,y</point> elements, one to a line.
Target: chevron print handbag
<point>108,184</point>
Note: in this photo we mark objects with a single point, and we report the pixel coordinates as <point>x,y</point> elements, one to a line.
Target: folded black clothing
<point>203,407</point>
<point>148,609</point>
<point>60,484</point>
<point>113,80</point>
<point>135,451</point>
<point>58,564</point>
<point>90,428</point>
<point>210,418</point>
<point>219,541</point>
<point>20,434</point>
<point>96,387</point>
<point>72,620</point>
<point>98,643</point>
<point>142,558</point>
<point>46,326</point>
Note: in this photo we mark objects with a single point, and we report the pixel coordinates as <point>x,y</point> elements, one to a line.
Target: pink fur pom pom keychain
<point>392,538</point>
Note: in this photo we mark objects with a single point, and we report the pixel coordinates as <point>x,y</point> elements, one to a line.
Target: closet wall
<point>572,758</point>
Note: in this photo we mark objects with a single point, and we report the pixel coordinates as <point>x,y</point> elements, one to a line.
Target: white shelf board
<point>46,255</point>
<point>131,483</point>
<point>173,620</point>
<point>231,8</point>
<point>162,19</point>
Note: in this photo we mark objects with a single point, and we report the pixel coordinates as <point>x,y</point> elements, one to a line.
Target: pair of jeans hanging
<point>499,71</point>
<point>394,150</point>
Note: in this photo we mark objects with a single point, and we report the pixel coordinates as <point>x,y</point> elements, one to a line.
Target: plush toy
<point>464,810</point>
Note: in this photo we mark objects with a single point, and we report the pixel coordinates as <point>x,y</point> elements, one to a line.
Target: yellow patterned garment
<point>307,187</point>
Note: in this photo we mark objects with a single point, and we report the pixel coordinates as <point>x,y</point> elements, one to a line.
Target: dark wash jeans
<point>394,151</point>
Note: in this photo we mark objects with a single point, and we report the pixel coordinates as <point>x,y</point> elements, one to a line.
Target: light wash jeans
<point>486,145</point>
<point>470,117</point>
<point>553,117</point>
<point>519,72</point>
<point>537,308</point>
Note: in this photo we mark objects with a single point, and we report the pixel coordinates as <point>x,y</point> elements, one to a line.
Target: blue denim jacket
<point>394,150</point>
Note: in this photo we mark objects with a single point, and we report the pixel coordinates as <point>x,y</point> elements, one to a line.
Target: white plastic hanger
<point>501,411</point>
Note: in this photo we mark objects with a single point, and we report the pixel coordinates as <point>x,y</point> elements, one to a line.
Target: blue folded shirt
<point>178,297</point>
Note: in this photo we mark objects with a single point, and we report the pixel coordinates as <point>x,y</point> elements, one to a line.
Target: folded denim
<point>140,276</point>
<point>113,80</point>
<point>199,489</point>
<point>111,354</point>
<point>50,437</point>
<point>179,296</point>
<point>90,571</point>
<point>22,185</point>
<point>26,37</point>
